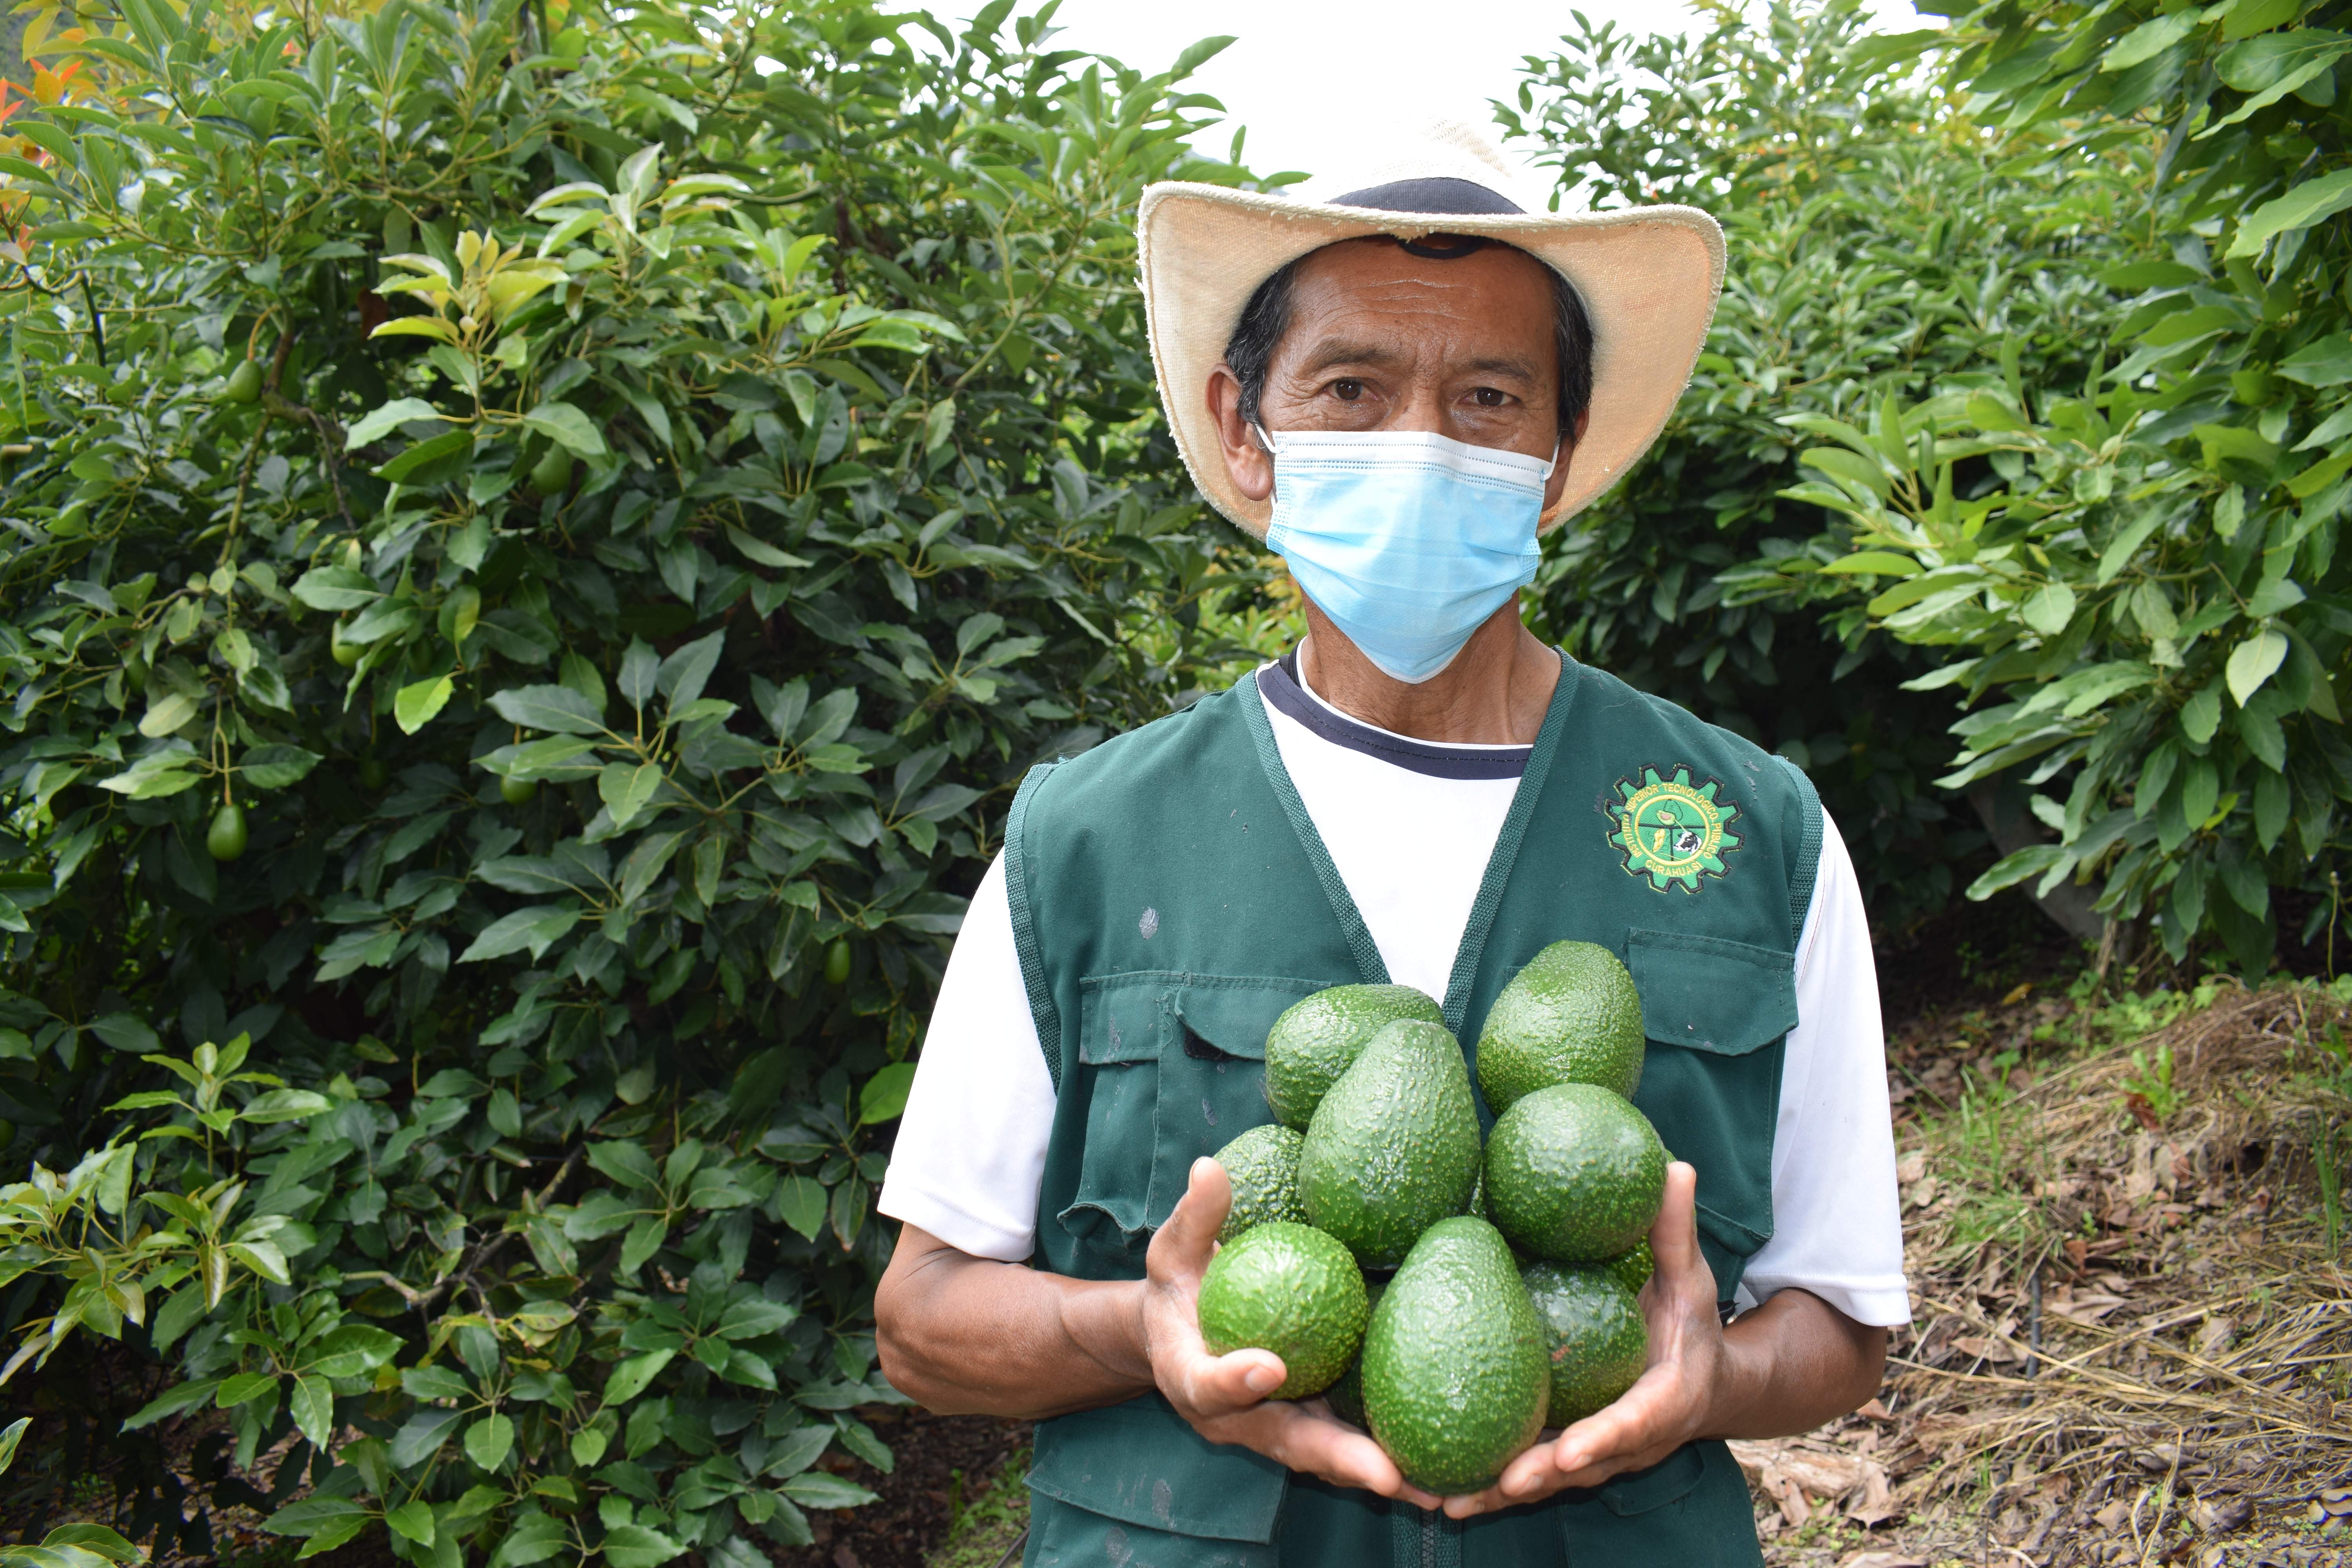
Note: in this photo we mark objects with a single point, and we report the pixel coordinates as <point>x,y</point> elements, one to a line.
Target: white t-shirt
<point>1411,825</point>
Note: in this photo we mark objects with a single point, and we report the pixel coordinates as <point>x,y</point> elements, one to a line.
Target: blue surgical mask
<point>1407,540</point>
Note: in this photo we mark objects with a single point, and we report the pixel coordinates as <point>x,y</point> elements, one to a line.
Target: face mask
<point>1408,541</point>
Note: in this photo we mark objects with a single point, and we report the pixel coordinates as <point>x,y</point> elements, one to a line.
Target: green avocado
<point>1319,1038</point>
<point>1574,1174</point>
<point>1393,1148</point>
<point>1571,1015</point>
<point>1455,1375</point>
<point>1632,1269</point>
<point>1347,1395</point>
<point>1263,1165</point>
<point>1598,1344</point>
<point>1291,1290</point>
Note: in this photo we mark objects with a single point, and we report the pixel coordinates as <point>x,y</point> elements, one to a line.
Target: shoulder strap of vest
<point>1808,850</point>
<point>1370,966</point>
<point>1042,1010</point>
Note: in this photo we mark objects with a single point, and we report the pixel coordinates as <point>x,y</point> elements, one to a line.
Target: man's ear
<point>1557,485</point>
<point>1249,465</point>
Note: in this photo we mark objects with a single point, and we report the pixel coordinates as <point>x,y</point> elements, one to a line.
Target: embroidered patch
<point>1673,831</point>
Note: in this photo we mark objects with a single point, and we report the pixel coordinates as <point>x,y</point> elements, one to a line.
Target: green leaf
<point>645,1239</point>
<point>762,554</point>
<point>800,1203</point>
<point>1873,562</point>
<point>884,1098</point>
<point>435,461</point>
<point>415,704</point>
<point>627,791</point>
<point>384,420</point>
<point>2308,203</point>
<point>313,1409</point>
<point>315,1516</point>
<point>630,1377</point>
<point>817,1488</point>
<point>412,1520</point>
<point>125,1032</point>
<point>568,427</point>
<point>167,710</point>
<point>2254,661</point>
<point>423,1435</point>
<point>556,707</point>
<point>337,588</point>
<point>489,1440</point>
<point>537,928</point>
<point>2328,362</point>
<point>2147,40</point>
<point>636,1546</point>
<point>2049,609</point>
<point>275,766</point>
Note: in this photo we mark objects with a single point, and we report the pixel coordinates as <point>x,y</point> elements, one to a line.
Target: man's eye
<point>1491,396</point>
<point>1348,390</point>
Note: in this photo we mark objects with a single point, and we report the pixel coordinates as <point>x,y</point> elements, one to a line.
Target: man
<point>1396,389</point>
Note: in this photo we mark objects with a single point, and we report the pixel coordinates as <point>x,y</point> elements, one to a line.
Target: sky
<point>1310,78</point>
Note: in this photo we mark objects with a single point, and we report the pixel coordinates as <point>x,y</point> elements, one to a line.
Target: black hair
<point>1267,318</point>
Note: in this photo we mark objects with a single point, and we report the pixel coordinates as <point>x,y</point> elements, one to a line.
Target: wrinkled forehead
<point>1469,285</point>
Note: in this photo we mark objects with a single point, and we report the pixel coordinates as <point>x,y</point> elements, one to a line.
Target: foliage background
<point>536,551</point>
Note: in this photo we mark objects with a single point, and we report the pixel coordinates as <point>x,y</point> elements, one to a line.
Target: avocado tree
<point>2143,602</point>
<point>535,545</point>
<point>1881,240</point>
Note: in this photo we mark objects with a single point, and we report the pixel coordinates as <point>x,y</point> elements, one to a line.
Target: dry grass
<point>2132,1338</point>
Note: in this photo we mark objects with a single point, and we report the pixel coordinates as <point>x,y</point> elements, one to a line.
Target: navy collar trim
<point>1279,684</point>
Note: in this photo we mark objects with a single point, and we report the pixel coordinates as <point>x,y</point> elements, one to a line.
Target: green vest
<point>1171,898</point>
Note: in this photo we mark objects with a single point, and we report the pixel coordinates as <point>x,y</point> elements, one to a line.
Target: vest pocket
<point>1139,1471</point>
<point>1709,994</point>
<point>1691,1508</point>
<point>1174,1068</point>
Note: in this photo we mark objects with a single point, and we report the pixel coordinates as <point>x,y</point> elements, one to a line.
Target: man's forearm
<point>1792,1364</point>
<point>1053,1344</point>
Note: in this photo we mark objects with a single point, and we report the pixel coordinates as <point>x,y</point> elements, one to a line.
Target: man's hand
<point>1786,1367</point>
<point>1225,1397</point>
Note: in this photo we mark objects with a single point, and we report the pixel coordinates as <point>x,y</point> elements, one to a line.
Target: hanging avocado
<point>225,839</point>
<point>346,654</point>
<point>518,792</point>
<point>373,772</point>
<point>836,961</point>
<point>551,475</point>
<point>243,383</point>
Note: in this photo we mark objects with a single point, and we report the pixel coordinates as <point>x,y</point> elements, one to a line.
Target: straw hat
<point>1648,278</point>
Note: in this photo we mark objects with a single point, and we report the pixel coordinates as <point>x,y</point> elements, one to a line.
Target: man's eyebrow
<point>1343,350</point>
<point>1504,365</point>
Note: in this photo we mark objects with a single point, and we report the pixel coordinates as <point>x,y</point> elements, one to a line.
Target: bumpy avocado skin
<point>1319,1038</point>
<point>1598,1345</point>
<point>1347,1395</point>
<point>1574,1174</point>
<point>1456,1374</point>
<point>1571,1015</point>
<point>1263,1165</point>
<point>1632,1269</point>
<point>1291,1290</point>
<point>1393,1148</point>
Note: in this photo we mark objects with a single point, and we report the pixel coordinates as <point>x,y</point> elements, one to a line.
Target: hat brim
<point>1649,278</point>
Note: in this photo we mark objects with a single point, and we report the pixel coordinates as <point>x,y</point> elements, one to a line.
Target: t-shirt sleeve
<point>1837,1222</point>
<point>971,1152</point>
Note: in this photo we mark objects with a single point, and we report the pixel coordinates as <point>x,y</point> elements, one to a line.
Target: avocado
<point>1571,1015</point>
<point>1456,1376</point>
<point>1263,1165</point>
<point>1395,1145</point>
<point>1574,1173</point>
<point>1633,1268</point>
<point>1291,1290</point>
<point>1319,1038</point>
<point>1598,1344</point>
<point>1347,1395</point>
